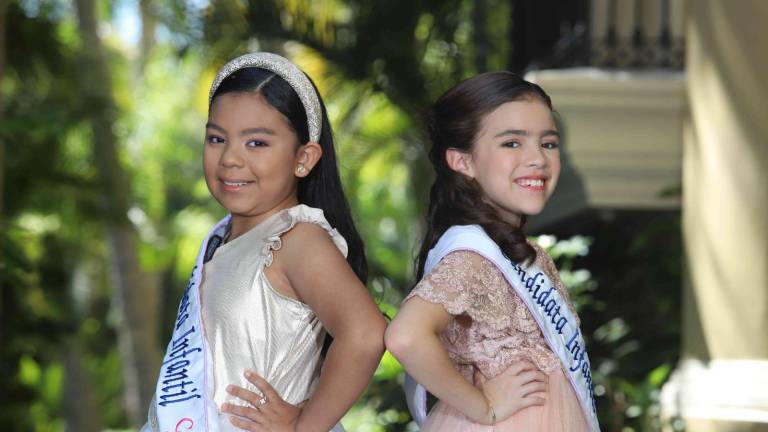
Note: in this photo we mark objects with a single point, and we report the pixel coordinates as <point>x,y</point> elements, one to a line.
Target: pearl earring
<point>301,169</point>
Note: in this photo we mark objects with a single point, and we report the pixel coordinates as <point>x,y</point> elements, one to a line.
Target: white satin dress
<point>249,325</point>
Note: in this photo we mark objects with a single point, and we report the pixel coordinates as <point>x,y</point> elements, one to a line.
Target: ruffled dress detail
<point>492,329</point>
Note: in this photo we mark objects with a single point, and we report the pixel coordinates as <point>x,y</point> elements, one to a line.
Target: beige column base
<point>723,395</point>
<point>697,425</point>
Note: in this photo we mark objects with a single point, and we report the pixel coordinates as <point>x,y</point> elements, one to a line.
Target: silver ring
<point>263,401</point>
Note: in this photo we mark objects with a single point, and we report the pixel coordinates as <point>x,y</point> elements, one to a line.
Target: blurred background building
<point>670,114</point>
<point>659,224</point>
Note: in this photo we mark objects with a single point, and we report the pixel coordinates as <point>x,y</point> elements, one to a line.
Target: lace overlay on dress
<point>501,330</point>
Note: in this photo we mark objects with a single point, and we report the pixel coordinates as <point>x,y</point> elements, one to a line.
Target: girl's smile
<point>532,183</point>
<point>234,185</point>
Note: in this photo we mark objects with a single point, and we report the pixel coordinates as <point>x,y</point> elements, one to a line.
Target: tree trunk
<point>135,296</point>
<point>80,406</point>
<point>480,34</point>
<point>3,11</point>
<point>147,31</point>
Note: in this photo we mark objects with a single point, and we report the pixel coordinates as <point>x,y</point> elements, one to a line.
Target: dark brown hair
<point>454,121</point>
<point>322,187</point>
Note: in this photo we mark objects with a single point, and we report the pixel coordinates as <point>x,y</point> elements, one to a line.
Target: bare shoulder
<point>320,277</point>
<point>308,254</point>
<point>306,238</point>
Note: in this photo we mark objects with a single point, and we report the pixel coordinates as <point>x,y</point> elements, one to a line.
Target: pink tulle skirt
<point>561,413</point>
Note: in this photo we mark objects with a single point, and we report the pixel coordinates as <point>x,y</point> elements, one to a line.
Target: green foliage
<point>629,306</point>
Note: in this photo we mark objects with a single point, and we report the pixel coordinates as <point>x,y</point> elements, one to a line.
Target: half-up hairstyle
<point>454,121</point>
<point>322,187</point>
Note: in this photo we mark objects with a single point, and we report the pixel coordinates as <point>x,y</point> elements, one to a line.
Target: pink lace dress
<point>491,331</point>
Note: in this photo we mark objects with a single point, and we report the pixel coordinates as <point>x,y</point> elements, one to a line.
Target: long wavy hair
<point>454,121</point>
<point>322,187</point>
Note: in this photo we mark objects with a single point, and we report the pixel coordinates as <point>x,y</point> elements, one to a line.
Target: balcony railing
<point>637,34</point>
<point>610,34</point>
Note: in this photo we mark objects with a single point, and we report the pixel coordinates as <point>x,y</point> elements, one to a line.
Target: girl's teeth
<point>530,182</point>
<point>235,183</point>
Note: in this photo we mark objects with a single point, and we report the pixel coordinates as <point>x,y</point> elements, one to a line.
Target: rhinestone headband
<point>285,70</point>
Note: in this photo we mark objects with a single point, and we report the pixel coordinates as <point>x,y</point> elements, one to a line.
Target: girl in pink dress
<point>463,332</point>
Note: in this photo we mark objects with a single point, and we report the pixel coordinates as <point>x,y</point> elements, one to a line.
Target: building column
<point>722,381</point>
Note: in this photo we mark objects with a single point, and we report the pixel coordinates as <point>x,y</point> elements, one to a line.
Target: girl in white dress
<point>278,275</point>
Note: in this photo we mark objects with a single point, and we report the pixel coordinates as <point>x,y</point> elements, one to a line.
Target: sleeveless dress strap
<point>295,215</point>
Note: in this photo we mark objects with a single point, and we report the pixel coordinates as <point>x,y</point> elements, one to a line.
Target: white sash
<point>548,307</point>
<point>184,393</point>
